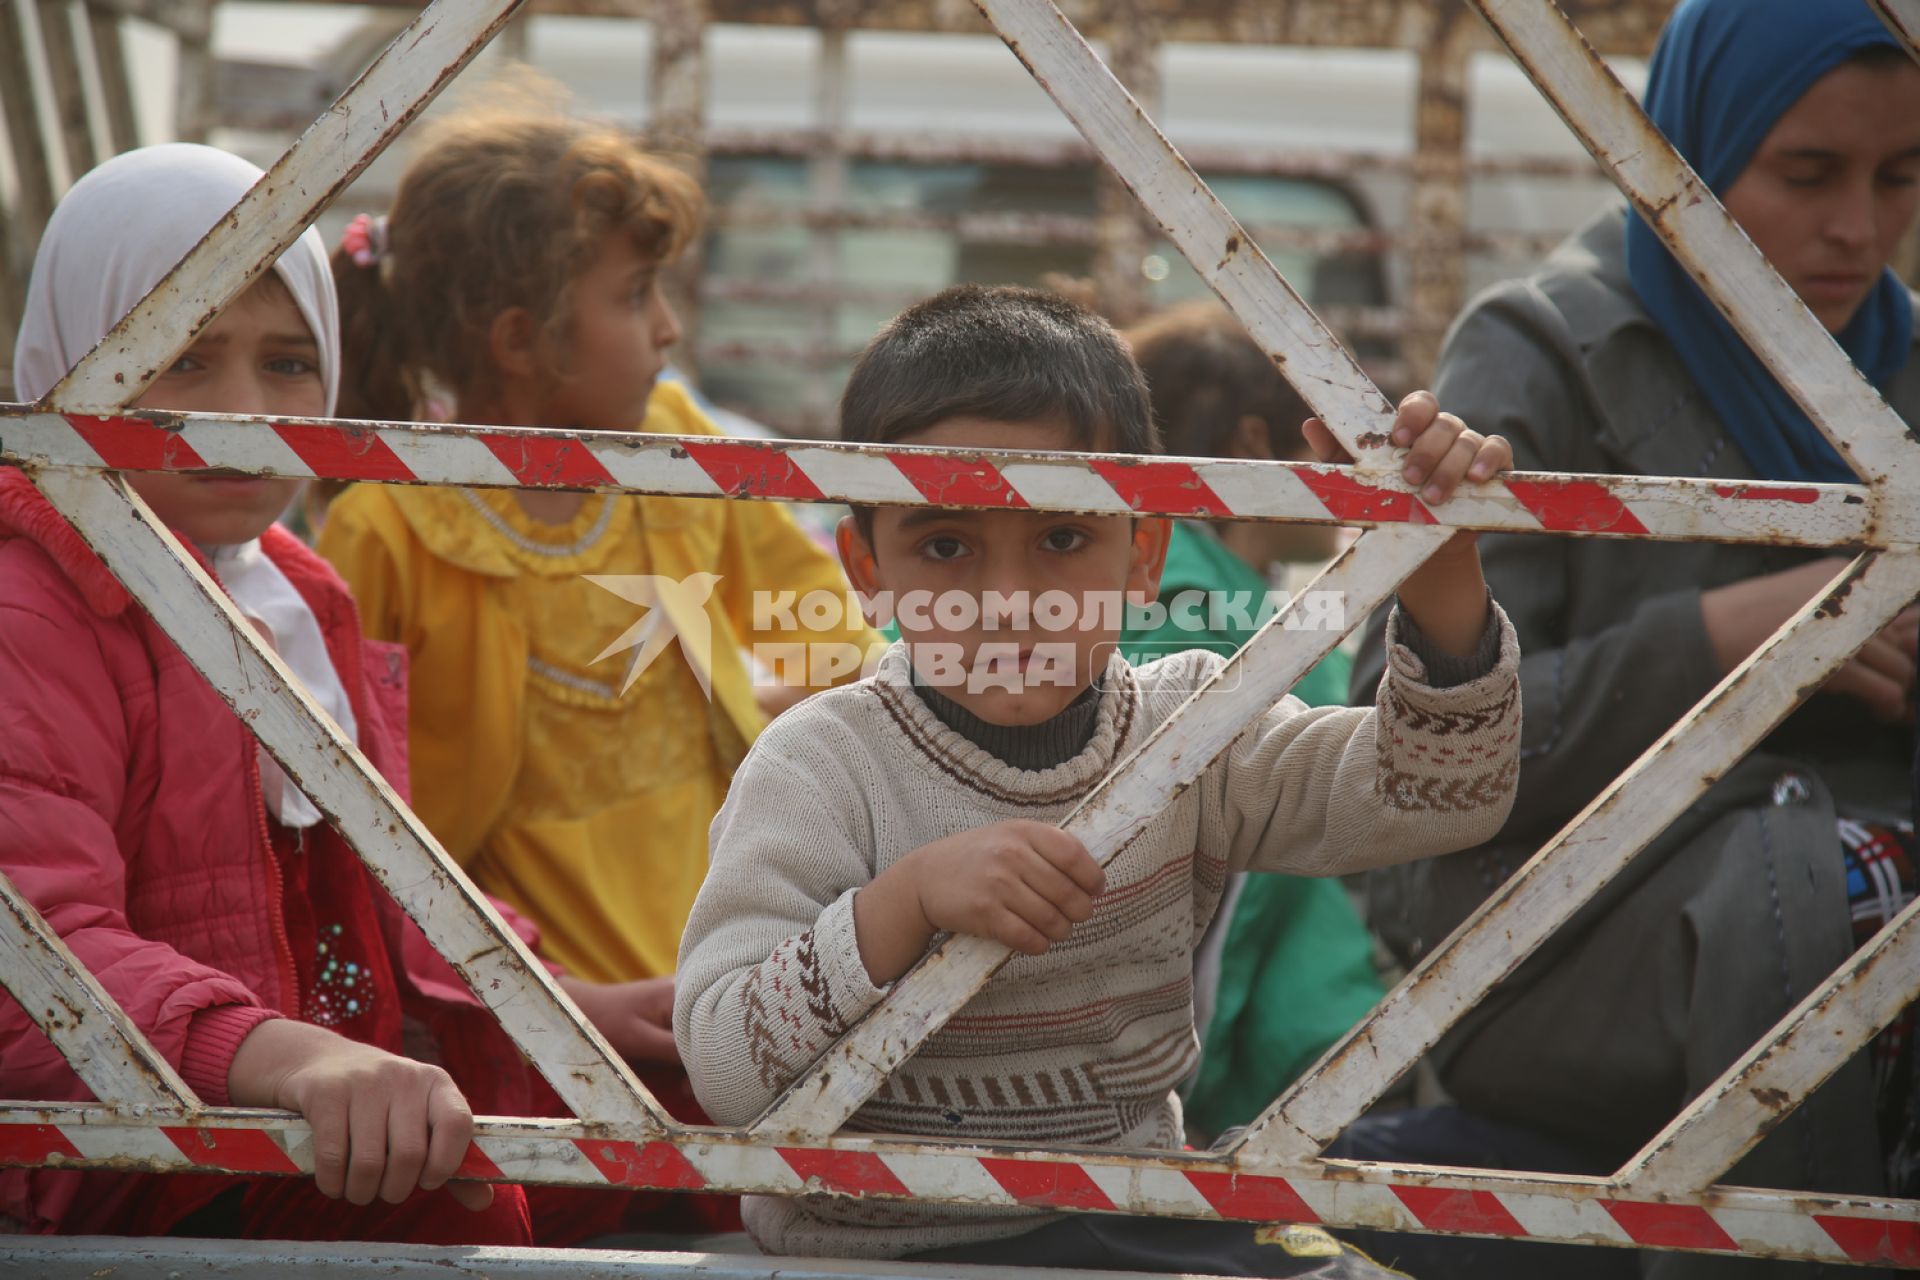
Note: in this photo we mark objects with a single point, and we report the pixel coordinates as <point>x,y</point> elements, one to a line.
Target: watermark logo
<point>821,623</point>
<point>665,599</point>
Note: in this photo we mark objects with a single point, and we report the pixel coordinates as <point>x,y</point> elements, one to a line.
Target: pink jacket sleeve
<point>64,758</point>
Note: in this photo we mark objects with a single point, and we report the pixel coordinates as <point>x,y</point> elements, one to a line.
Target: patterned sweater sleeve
<point>770,971</point>
<point>1426,770</point>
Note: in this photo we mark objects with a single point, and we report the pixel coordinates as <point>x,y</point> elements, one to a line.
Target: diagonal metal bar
<point>1903,19</point>
<point>454,915</point>
<point>86,1024</point>
<point>827,471</point>
<point>1578,862</point>
<point>1776,1075</point>
<point>196,614</point>
<point>1190,214</point>
<point>1176,753</point>
<point>321,162</point>
<point>1716,253</point>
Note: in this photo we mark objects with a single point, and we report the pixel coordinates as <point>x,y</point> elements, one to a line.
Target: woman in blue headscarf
<point>1804,117</point>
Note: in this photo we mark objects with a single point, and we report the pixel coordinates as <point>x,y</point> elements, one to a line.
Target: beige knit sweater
<point>1085,1043</point>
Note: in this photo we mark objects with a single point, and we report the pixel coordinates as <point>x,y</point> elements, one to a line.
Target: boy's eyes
<point>943,547</point>
<point>948,547</point>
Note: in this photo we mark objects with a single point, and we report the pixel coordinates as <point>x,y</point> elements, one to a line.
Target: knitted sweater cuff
<point>213,1037</point>
<point>1444,670</point>
<point>849,990</point>
<point>1442,677</point>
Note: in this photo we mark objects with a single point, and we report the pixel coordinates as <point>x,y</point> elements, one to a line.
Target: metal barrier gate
<point>1665,1197</point>
<point>1395,304</point>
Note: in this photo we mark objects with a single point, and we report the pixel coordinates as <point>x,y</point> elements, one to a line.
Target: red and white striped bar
<point>392,842</point>
<point>1733,1221</point>
<point>397,849</point>
<point>1567,873</point>
<point>1263,1180</point>
<point>1584,857</point>
<point>1222,253</point>
<point>1664,508</point>
<point>1704,239</point>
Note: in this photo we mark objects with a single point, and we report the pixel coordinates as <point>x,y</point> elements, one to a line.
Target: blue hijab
<point>1723,73</point>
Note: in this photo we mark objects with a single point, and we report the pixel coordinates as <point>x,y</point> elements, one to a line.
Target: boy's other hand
<point>635,1017</point>
<point>1442,451</point>
<point>1023,884</point>
<point>1446,596</point>
<point>382,1124</point>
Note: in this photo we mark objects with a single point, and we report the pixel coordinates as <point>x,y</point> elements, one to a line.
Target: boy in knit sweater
<point>870,819</point>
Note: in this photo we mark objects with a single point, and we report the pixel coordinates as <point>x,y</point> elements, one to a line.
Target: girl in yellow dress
<point>516,277</point>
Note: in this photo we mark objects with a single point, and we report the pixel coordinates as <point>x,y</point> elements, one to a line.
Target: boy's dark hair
<point>1005,354</point>
<point>1205,375</point>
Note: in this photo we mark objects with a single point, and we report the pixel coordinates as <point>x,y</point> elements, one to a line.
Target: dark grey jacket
<point>1738,909</point>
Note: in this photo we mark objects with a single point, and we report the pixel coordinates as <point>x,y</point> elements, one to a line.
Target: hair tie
<point>365,240</point>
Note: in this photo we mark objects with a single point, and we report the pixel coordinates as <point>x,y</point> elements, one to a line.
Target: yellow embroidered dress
<point>582,804</point>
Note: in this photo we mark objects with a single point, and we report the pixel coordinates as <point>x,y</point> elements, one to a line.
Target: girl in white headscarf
<point>195,881</point>
<point>90,271</point>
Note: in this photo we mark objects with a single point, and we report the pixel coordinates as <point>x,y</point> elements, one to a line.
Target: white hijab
<point>124,226</point>
<point>118,231</point>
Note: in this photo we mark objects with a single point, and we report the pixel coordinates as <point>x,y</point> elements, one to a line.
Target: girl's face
<point>1835,184</point>
<point>257,358</point>
<point>622,328</point>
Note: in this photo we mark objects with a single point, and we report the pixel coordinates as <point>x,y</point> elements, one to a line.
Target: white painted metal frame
<point>147,558</point>
<point>1902,18</point>
<point>1665,1197</point>
<point>106,1050</point>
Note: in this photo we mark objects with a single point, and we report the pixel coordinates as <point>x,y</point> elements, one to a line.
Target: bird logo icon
<point>676,610</point>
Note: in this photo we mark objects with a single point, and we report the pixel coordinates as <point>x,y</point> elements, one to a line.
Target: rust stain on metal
<point>1439,199</point>
<point>1834,605</point>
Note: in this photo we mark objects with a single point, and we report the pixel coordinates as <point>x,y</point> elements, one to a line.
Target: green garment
<point>1199,562</point>
<point>1296,971</point>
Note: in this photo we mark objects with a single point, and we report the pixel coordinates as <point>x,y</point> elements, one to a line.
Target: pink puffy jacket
<point>129,816</point>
